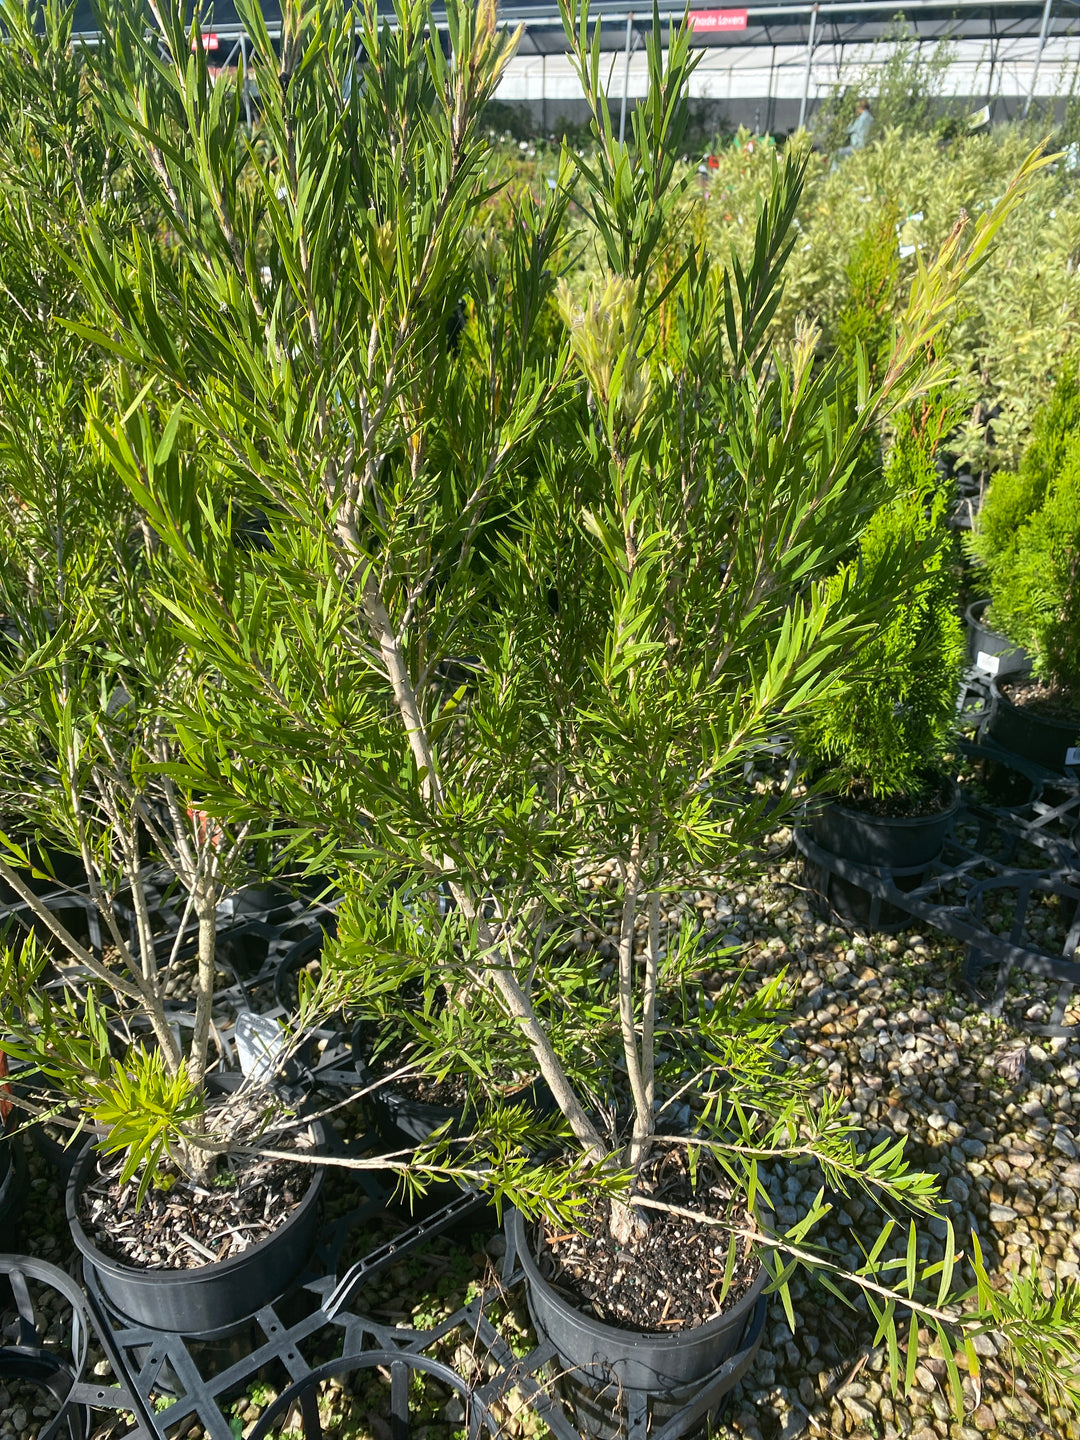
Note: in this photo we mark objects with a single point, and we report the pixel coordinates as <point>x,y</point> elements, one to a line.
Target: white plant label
<point>1072,755</point>
<point>990,663</point>
<point>259,1042</point>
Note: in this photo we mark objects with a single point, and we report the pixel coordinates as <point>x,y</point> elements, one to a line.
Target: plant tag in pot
<point>1072,755</point>
<point>259,1043</point>
<point>991,664</point>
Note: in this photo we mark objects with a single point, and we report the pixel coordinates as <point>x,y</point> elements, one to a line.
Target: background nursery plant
<point>1018,319</point>
<point>1028,539</point>
<point>886,736</point>
<point>521,609</point>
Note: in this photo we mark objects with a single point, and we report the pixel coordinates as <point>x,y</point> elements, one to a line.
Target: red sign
<point>710,21</point>
<point>209,42</point>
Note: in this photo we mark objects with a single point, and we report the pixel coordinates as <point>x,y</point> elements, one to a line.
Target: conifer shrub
<point>1029,542</point>
<point>891,725</point>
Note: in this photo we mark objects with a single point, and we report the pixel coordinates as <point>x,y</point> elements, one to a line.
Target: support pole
<point>1043,29</point>
<point>626,75</point>
<point>770,108</point>
<point>246,79</point>
<point>543,93</point>
<point>809,62</point>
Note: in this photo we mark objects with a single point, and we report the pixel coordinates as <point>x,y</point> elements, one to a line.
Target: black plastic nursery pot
<point>215,1296</point>
<point>1034,737</point>
<point>13,1180</point>
<point>403,1121</point>
<point>905,845</point>
<point>988,649</point>
<point>33,1357</point>
<point>608,1373</point>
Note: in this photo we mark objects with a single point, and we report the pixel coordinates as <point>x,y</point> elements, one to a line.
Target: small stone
<point>853,1391</point>
<point>795,1425</point>
<point>858,1409</point>
<point>957,1190</point>
<point>1064,1143</point>
<point>19,1419</point>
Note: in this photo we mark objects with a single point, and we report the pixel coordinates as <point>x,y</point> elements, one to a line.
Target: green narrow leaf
<point>912,1354</point>
<point>947,1265</point>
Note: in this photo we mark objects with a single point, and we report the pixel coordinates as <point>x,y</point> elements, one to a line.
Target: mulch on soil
<point>671,1278</point>
<point>935,795</point>
<point>189,1225</point>
<point>1046,701</point>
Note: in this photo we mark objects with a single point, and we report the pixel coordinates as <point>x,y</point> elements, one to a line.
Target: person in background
<point>858,132</point>
<point>860,127</point>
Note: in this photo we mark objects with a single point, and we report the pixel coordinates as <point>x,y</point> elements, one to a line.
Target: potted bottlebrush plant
<point>883,740</point>
<point>1028,538</point>
<point>108,1002</point>
<point>632,542</point>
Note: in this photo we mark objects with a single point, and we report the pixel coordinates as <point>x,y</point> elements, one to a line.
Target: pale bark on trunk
<point>501,973</point>
<point>136,989</point>
<point>206,912</point>
<point>642,1124</point>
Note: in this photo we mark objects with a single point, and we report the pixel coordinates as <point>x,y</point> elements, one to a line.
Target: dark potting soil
<point>672,1278</point>
<point>934,796</point>
<point>1046,701</point>
<point>189,1225</point>
<point>452,1091</point>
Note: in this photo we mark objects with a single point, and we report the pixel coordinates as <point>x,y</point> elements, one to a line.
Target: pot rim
<point>905,821</point>
<point>973,618</point>
<point>153,1274</point>
<point>1070,727</point>
<point>602,1329</point>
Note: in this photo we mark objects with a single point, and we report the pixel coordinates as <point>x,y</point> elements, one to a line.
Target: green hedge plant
<point>1028,538</point>
<point>887,734</point>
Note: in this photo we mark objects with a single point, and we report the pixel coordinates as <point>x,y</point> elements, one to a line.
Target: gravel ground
<point>994,1115</point>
